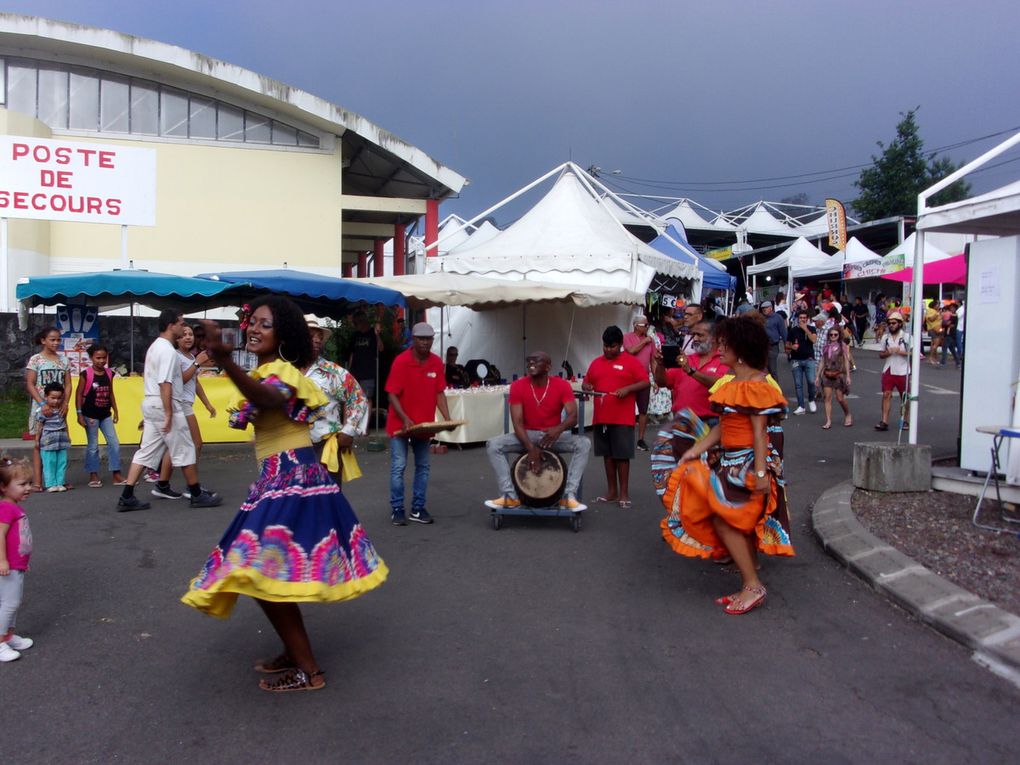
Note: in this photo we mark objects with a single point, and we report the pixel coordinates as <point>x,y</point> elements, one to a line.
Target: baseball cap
<point>423,329</point>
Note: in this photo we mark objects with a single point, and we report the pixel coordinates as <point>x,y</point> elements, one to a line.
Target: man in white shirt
<point>164,425</point>
<point>895,349</point>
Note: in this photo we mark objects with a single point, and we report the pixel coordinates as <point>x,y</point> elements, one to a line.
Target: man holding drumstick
<point>542,412</point>
<point>416,388</point>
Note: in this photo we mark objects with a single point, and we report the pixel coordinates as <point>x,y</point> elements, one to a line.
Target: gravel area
<point>934,529</point>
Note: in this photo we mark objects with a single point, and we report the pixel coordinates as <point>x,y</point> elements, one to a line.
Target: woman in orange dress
<point>726,496</point>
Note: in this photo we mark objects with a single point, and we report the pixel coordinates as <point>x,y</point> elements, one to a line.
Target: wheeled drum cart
<point>539,492</point>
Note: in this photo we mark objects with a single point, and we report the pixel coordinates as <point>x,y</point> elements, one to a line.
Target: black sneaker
<point>166,493</point>
<point>397,518</point>
<point>127,504</point>
<point>206,499</point>
<point>421,515</point>
<point>642,445</point>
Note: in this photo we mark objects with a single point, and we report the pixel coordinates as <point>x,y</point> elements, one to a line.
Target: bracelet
<point>691,371</point>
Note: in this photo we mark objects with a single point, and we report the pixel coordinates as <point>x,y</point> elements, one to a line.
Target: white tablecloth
<point>483,410</point>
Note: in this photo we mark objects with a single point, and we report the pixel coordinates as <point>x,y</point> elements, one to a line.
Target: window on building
<point>85,99</point>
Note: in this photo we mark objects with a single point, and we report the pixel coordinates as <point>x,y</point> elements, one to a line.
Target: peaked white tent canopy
<point>761,221</point>
<point>903,253</point>
<point>691,219</point>
<point>801,257</point>
<point>859,262</point>
<point>568,236</point>
<point>814,227</point>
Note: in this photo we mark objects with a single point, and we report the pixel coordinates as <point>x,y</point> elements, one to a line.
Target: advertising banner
<point>65,180</point>
<point>836,216</point>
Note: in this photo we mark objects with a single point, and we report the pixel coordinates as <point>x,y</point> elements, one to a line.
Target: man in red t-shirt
<point>415,386</point>
<point>697,373</point>
<point>542,412</point>
<point>618,377</point>
<point>640,345</point>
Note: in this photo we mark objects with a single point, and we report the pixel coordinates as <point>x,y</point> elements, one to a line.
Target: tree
<point>891,185</point>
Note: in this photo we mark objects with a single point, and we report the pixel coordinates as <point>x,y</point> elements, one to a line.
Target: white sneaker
<point>19,643</point>
<point>799,410</point>
<point>812,406</point>
<point>7,653</point>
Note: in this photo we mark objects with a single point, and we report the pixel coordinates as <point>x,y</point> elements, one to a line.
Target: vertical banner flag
<point>836,216</point>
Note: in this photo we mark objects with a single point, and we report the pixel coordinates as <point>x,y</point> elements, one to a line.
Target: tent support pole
<point>131,334</point>
<point>124,247</point>
<point>916,319</point>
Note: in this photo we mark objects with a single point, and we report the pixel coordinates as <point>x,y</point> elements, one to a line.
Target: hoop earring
<point>279,352</point>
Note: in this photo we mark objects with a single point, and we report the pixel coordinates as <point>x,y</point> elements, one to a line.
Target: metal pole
<point>123,246</point>
<point>917,320</point>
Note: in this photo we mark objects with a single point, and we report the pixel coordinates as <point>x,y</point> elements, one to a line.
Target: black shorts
<point>642,400</point>
<point>615,441</point>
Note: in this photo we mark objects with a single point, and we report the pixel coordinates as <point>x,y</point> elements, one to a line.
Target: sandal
<point>293,680</point>
<point>625,503</point>
<point>882,426</point>
<point>725,600</point>
<point>848,422</point>
<point>95,484</point>
<point>605,499</point>
<point>760,592</point>
<point>276,664</point>
<point>826,426</point>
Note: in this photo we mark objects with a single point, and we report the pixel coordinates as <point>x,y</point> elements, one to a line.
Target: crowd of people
<point>717,466</point>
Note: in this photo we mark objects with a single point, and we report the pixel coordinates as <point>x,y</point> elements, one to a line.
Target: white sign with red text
<point>49,179</point>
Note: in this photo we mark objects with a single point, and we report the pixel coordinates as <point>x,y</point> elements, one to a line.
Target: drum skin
<point>544,488</point>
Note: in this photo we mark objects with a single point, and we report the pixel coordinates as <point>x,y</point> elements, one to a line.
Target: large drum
<point>544,488</point>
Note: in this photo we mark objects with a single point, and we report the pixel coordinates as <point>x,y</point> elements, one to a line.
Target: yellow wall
<point>225,205</point>
<point>25,235</point>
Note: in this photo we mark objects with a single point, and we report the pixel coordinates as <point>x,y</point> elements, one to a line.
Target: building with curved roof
<point>249,172</point>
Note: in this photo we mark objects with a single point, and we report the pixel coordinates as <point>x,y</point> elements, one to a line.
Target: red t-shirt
<point>416,385</point>
<point>688,393</point>
<point>605,376</point>
<point>543,407</point>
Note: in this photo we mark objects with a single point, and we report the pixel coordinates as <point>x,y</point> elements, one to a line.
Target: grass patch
<point>13,413</point>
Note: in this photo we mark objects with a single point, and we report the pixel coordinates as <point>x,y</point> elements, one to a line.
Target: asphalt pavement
<point>527,644</point>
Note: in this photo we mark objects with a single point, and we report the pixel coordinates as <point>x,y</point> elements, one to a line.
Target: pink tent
<point>952,270</point>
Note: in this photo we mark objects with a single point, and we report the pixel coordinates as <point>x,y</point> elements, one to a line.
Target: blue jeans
<point>803,370</point>
<point>398,462</point>
<point>92,428</point>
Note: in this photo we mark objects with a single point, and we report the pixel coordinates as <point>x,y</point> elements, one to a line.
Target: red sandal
<point>759,591</point>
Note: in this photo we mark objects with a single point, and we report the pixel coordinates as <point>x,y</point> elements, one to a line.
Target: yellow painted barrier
<point>129,392</point>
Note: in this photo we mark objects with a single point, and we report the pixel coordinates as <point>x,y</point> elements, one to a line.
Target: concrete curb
<point>992,633</point>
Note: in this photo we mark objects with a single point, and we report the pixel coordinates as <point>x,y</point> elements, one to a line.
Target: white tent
<point>569,237</point>
<point>859,262</point>
<point>996,213</point>
<point>691,219</point>
<point>761,221</point>
<point>799,257</point>
<point>481,292</point>
<point>903,253</point>
<point>815,227</point>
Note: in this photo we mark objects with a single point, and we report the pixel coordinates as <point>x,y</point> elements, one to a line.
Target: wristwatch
<point>760,473</point>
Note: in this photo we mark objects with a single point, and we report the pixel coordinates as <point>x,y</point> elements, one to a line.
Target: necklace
<point>535,395</point>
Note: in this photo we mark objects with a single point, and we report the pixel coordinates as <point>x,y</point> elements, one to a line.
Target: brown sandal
<point>293,680</point>
<point>276,664</point>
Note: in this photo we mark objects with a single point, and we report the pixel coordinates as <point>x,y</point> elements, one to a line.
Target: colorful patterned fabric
<point>295,538</point>
<point>304,398</point>
<point>721,482</point>
<point>347,410</point>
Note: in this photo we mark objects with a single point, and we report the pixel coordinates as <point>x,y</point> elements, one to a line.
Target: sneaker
<point>503,503</point>
<point>7,653</point>
<point>570,503</point>
<point>206,499</point>
<point>19,643</point>
<point>799,410</point>
<point>127,504</point>
<point>54,489</point>
<point>167,493</point>
<point>420,515</point>
<point>397,518</point>
<point>151,476</point>
<point>812,406</point>
<point>642,445</point>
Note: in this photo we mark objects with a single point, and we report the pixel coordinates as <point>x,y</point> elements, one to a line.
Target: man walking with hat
<point>775,328</point>
<point>896,352</point>
<point>415,387</point>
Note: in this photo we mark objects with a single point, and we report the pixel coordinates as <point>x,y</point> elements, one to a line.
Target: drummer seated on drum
<point>542,411</point>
